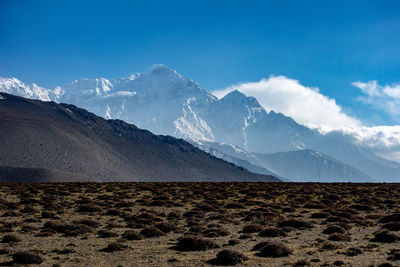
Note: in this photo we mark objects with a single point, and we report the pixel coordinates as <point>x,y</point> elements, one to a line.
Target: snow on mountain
<point>161,101</point>
<point>232,116</point>
<point>165,102</point>
<point>191,126</point>
<point>16,87</point>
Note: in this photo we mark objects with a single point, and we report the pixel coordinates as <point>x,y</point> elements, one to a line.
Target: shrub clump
<point>193,243</point>
<point>260,245</point>
<point>252,228</point>
<point>393,226</point>
<point>328,245</point>
<point>132,235</point>
<point>106,233</point>
<point>151,231</point>
<point>89,208</point>
<point>274,250</point>
<point>385,237</point>
<point>68,229</point>
<point>353,251</point>
<point>339,237</point>
<point>48,214</point>
<point>331,229</point>
<point>113,212</point>
<point>215,232</point>
<point>319,215</point>
<point>115,246</point>
<point>27,257</point>
<point>234,206</point>
<point>229,257</point>
<point>166,227</point>
<point>272,232</point>
<point>395,217</point>
<point>302,262</point>
<point>11,238</point>
<point>233,242</point>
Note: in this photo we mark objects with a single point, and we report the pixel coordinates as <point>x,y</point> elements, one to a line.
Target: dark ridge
<point>46,141</point>
<point>21,174</point>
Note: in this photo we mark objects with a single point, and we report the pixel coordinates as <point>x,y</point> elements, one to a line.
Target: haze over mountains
<point>164,102</point>
<point>299,165</point>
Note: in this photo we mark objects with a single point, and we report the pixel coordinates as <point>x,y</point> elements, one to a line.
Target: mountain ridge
<point>165,102</point>
<point>47,136</point>
<point>305,165</point>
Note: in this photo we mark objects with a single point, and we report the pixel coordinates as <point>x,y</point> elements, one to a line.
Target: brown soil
<point>199,224</point>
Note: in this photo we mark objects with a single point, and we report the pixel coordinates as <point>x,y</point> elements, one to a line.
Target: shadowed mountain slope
<point>52,138</point>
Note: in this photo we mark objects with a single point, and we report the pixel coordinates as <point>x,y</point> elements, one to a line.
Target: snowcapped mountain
<point>231,117</point>
<point>241,120</point>
<point>16,87</point>
<point>167,103</point>
<point>161,101</point>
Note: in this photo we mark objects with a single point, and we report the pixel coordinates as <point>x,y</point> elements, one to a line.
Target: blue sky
<point>324,44</point>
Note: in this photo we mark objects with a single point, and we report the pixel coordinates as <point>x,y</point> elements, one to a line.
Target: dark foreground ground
<point>189,224</point>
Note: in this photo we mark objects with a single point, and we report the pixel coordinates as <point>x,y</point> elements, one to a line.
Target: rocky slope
<point>50,138</point>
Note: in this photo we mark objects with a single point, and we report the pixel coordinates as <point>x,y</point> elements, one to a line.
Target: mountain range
<point>46,141</point>
<point>164,102</point>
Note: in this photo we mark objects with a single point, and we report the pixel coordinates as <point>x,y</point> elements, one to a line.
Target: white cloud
<point>304,104</point>
<point>383,140</point>
<point>385,98</point>
<point>390,155</point>
<point>370,88</point>
<point>377,137</point>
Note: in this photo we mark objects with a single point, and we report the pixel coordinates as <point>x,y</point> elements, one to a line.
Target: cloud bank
<point>385,98</point>
<point>383,140</point>
<point>304,104</point>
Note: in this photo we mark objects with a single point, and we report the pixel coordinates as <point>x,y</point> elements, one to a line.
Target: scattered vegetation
<point>187,224</point>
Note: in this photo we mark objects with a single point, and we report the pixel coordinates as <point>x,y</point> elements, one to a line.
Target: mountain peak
<point>16,87</point>
<point>238,97</point>
<point>162,69</point>
<point>236,94</point>
<point>7,82</point>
